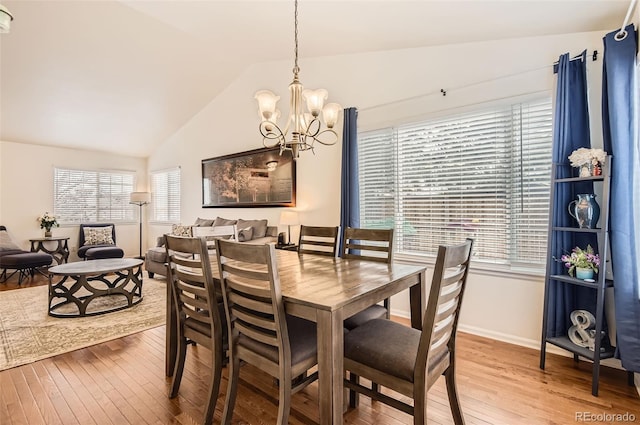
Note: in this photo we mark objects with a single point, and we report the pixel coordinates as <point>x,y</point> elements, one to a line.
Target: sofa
<point>246,231</point>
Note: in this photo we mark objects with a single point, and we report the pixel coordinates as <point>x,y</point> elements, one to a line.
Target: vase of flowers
<point>47,221</point>
<point>583,262</point>
<point>588,161</point>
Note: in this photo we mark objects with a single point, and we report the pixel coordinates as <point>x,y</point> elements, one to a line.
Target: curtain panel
<point>350,193</point>
<point>620,132</point>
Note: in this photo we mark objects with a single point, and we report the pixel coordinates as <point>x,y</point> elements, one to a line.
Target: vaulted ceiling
<point>123,76</point>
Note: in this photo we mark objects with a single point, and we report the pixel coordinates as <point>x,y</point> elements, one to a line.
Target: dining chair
<point>318,240</point>
<point>410,361</point>
<point>260,332</point>
<point>199,308</point>
<point>371,245</point>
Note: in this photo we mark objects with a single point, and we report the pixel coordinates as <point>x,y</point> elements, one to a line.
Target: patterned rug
<point>28,333</point>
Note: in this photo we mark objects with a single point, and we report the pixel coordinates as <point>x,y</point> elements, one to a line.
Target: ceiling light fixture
<point>5,20</point>
<point>305,128</point>
<point>272,165</point>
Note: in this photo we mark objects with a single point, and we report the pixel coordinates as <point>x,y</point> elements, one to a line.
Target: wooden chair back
<point>443,308</point>
<point>368,244</point>
<point>193,289</point>
<point>318,240</point>
<point>253,302</point>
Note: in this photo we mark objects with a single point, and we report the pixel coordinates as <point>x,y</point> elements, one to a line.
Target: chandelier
<point>5,20</point>
<point>303,128</point>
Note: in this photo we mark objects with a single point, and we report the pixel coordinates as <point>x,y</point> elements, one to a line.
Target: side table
<point>61,252</point>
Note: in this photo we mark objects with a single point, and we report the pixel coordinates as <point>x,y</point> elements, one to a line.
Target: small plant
<point>47,221</point>
<point>581,258</point>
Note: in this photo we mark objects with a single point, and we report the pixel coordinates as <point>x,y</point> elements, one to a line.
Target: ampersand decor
<point>582,332</point>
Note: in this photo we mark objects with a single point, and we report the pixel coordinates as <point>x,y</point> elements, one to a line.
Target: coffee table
<point>89,288</point>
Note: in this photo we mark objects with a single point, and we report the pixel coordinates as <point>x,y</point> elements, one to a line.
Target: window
<point>165,190</point>
<point>83,196</point>
<point>483,175</point>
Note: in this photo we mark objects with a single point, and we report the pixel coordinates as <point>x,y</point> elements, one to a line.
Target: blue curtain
<point>350,193</point>
<point>571,131</point>
<point>619,124</point>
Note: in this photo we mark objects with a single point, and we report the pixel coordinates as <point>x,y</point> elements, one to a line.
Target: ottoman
<point>26,263</point>
<point>103,252</point>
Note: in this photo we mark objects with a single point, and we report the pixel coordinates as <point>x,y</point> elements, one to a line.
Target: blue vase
<point>584,273</point>
<point>585,210</point>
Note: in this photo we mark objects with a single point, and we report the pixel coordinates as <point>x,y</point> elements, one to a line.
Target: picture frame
<point>256,178</point>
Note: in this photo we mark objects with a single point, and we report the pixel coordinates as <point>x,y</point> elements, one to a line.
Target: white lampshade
<point>266,103</point>
<point>315,100</point>
<point>289,218</point>
<point>5,20</point>
<point>139,198</point>
<point>330,113</point>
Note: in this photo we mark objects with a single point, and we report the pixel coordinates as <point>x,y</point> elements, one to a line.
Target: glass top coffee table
<point>89,288</point>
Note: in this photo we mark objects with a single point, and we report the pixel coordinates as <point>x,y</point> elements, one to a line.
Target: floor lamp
<point>140,199</point>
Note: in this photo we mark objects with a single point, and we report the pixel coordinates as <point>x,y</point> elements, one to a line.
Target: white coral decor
<point>585,156</point>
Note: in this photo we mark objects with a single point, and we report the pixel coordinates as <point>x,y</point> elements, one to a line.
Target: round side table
<point>60,253</point>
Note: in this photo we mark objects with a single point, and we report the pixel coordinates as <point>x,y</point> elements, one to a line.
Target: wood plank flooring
<point>122,382</point>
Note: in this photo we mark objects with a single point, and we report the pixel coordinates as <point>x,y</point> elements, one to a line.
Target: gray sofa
<point>259,233</point>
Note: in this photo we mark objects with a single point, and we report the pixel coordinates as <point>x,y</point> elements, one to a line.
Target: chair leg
<point>214,388</point>
<point>179,367</point>
<point>354,396</point>
<point>452,392</point>
<point>232,390</point>
<point>284,404</point>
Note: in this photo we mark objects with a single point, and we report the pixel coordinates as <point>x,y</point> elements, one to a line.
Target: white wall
<point>503,306</point>
<point>26,189</point>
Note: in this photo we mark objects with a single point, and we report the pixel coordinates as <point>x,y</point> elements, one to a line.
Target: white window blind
<point>165,191</point>
<point>483,175</point>
<point>85,196</point>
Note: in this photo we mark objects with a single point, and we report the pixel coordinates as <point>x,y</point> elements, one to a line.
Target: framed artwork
<point>257,178</point>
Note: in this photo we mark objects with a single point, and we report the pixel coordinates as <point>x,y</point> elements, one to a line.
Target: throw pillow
<point>259,227</point>
<point>6,244</point>
<point>180,230</point>
<point>98,235</point>
<point>202,222</point>
<point>219,221</point>
<point>245,234</point>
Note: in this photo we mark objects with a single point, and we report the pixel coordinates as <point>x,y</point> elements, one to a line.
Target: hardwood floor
<point>122,382</point>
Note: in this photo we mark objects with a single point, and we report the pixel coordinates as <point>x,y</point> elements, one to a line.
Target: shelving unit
<point>601,350</point>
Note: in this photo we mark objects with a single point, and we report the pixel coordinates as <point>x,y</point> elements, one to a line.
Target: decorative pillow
<point>245,234</point>
<point>202,222</point>
<point>219,221</point>
<point>98,235</point>
<point>6,244</point>
<point>259,227</point>
<point>180,230</point>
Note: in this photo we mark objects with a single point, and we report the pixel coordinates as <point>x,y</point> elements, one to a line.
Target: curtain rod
<point>622,34</point>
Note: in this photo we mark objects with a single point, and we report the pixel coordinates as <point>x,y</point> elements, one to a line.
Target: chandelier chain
<point>296,68</point>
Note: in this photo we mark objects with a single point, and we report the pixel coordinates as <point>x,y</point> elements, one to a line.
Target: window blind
<point>85,196</point>
<point>483,175</point>
<point>165,190</point>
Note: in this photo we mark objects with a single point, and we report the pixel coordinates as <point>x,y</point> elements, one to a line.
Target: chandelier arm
<point>329,131</point>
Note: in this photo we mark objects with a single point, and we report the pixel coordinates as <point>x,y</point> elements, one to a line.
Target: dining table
<point>326,290</point>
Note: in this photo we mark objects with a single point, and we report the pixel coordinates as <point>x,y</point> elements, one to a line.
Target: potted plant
<point>47,221</point>
<point>588,161</point>
<point>584,262</point>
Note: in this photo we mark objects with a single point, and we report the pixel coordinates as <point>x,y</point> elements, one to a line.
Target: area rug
<point>29,334</point>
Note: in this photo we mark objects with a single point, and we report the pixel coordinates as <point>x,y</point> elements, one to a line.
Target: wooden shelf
<point>580,179</point>
<point>564,342</point>
<point>576,230</point>
<point>575,281</point>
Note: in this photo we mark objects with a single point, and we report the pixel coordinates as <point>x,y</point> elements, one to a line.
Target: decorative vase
<point>584,273</point>
<point>585,210</point>
<point>47,233</point>
<point>586,170</point>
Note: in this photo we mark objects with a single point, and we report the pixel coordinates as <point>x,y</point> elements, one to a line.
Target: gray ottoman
<point>25,263</point>
<point>103,252</point>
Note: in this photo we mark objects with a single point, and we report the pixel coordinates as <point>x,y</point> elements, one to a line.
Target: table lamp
<point>289,218</point>
<point>140,199</point>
